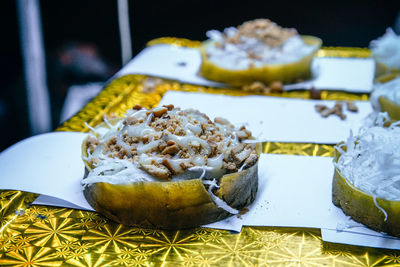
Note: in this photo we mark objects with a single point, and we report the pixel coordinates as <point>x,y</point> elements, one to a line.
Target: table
<point>33,235</point>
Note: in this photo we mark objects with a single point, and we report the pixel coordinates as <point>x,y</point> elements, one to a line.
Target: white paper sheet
<point>274,118</point>
<point>295,191</point>
<point>350,74</point>
<point>168,61</point>
<point>57,202</point>
<point>182,64</point>
<point>47,164</point>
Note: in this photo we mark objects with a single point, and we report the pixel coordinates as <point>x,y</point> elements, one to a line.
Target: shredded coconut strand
<point>91,128</point>
<point>116,171</point>
<point>241,168</point>
<point>219,202</point>
<point>203,173</point>
<point>371,161</point>
<point>107,122</point>
<point>380,208</point>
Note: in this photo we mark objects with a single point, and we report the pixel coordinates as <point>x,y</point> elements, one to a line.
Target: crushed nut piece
<point>158,112</point>
<point>326,112</point>
<point>171,142</point>
<point>170,150</point>
<point>130,121</point>
<point>351,106</point>
<point>320,108</point>
<point>251,160</point>
<point>158,170</point>
<point>137,107</point>
<point>337,110</point>
<point>162,145</point>
<point>256,87</point>
<point>145,139</point>
<point>243,134</point>
<point>240,157</point>
<point>237,149</point>
<point>167,164</point>
<point>315,94</point>
<point>169,107</point>
<point>221,121</point>
<point>276,87</point>
<point>230,166</point>
<point>186,165</point>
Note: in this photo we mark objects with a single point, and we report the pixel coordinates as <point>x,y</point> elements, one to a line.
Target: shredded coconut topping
<point>386,49</point>
<point>255,43</point>
<point>371,160</point>
<point>390,90</point>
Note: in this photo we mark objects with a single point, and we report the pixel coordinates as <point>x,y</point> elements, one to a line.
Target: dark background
<point>338,23</point>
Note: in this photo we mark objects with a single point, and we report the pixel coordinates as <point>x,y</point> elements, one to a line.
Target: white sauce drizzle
<point>219,202</point>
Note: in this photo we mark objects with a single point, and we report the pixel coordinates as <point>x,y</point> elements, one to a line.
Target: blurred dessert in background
<point>257,51</point>
<point>386,52</point>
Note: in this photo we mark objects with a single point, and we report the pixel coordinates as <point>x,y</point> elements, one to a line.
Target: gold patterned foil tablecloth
<point>33,235</point>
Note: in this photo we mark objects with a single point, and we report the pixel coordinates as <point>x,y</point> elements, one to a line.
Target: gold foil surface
<point>32,235</point>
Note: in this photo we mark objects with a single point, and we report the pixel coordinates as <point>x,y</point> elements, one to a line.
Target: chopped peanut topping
<point>265,30</point>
